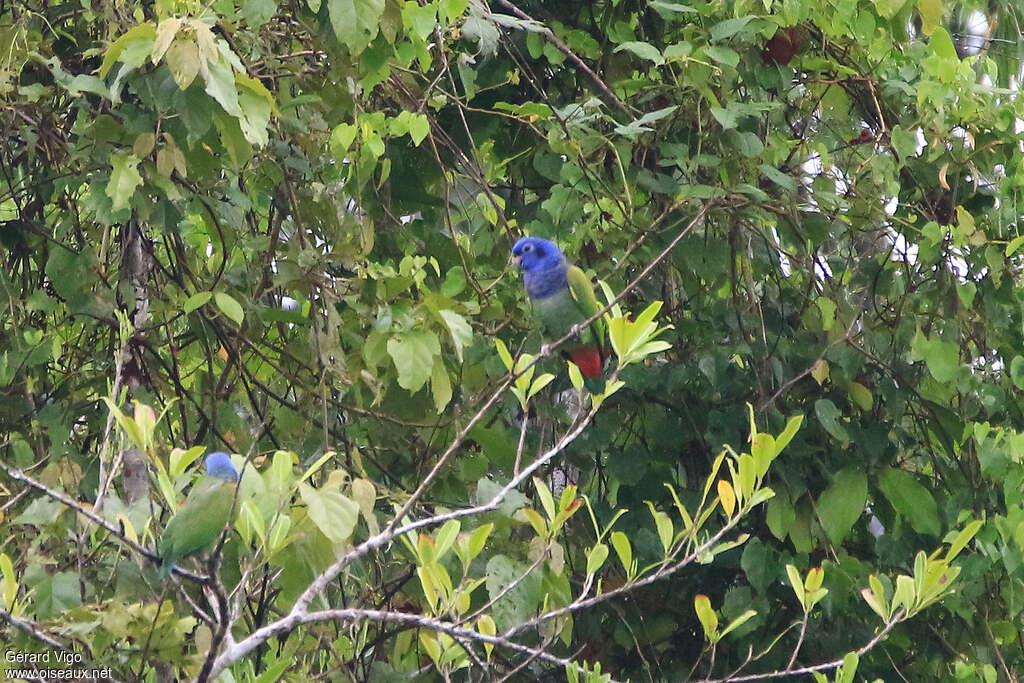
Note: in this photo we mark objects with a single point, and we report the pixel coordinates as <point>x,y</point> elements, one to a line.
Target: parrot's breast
<point>558,312</point>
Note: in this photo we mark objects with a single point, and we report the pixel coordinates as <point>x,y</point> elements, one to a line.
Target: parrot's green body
<point>204,515</point>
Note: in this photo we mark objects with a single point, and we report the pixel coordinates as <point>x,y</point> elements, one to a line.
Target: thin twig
<point>825,666</point>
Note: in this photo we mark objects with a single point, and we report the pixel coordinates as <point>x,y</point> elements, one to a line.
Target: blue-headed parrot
<point>204,515</point>
<point>562,297</point>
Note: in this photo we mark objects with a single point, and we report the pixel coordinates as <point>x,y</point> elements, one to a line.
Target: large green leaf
<point>911,500</point>
<point>334,513</point>
<point>355,22</point>
<point>413,353</point>
<point>842,503</point>
<point>124,180</point>
<point>831,419</point>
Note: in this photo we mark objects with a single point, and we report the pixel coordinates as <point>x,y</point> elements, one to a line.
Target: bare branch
<point>32,629</point>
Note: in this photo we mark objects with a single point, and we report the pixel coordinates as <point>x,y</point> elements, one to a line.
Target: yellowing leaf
<point>861,395</point>
<point>706,615</point>
<point>931,15</point>
<point>165,32</point>
<point>727,496</point>
<point>820,371</point>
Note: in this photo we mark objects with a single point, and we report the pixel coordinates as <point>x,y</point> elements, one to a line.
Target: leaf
<point>181,459</point>
<point>503,353</point>
<point>53,594</point>
<point>485,625</point>
<point>1017,371</point>
<point>820,371</point>
<point>722,55</point>
<point>258,12</point>
<point>341,139</point>
<point>459,328</point>
<point>727,496</point>
<point>842,503</point>
<point>596,557</point>
<point>124,179</point>
<point>413,354</point>
<point>672,7</point>
<point>455,282</point>
<point>138,41</point>
<point>634,128</point>
<point>624,550</point>
<point>333,513</point>
<point>942,359</point>
<point>518,589</point>
<point>229,307</point>
<point>829,416</point>
<point>195,301</point>
<point>220,85</point>
<point>355,22</point>
<point>780,516</point>
<point>889,8</point>
<point>144,145</point>
<point>860,395</point>
<point>256,104</point>
<point>419,127</point>
<point>728,28</point>
<point>1013,246</point>
<point>943,62</point>
<point>642,50</point>
<point>912,500</point>
<point>962,539</point>
<point>420,19</point>
<point>904,141</point>
<point>440,386</point>
<point>165,32</point>
<point>40,512</point>
<point>706,615</point>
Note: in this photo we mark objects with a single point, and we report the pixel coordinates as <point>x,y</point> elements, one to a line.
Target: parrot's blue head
<point>542,264</point>
<point>219,465</point>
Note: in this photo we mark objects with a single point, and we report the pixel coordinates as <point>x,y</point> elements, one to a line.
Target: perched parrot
<point>203,516</point>
<point>562,296</point>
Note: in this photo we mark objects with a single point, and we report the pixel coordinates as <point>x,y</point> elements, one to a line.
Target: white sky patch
<point>975,33</point>
<point>958,265</point>
<point>903,250</point>
<point>821,268</point>
<point>784,264</point>
<point>922,142</point>
<point>891,205</point>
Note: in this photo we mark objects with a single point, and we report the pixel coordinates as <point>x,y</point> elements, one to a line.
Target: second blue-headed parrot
<point>204,515</point>
<point>562,297</point>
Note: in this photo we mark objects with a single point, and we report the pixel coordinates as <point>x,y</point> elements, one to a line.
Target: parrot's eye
<point>527,247</point>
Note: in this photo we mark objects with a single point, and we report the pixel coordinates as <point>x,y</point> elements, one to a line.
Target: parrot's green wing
<point>583,294</point>
<point>199,522</point>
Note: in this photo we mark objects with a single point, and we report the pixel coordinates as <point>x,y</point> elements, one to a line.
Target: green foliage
<point>281,228</point>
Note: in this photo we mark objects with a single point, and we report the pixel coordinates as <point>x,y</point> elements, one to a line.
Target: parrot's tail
<point>590,361</point>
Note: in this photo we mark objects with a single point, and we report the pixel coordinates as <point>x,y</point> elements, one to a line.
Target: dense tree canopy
<point>281,228</point>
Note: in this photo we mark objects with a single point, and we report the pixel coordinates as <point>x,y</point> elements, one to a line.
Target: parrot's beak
<point>516,260</point>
